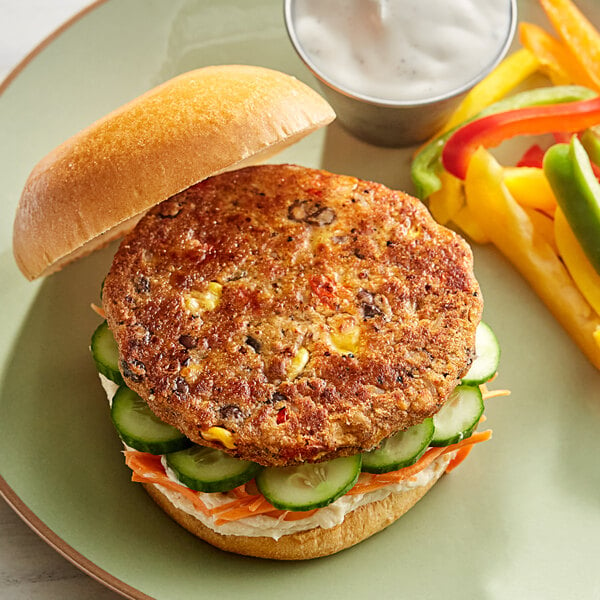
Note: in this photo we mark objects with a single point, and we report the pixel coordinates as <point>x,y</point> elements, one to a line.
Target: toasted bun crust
<point>357,526</point>
<point>97,184</point>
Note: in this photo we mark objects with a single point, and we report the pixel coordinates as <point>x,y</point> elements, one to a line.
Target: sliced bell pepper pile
<point>543,214</point>
<point>512,231</point>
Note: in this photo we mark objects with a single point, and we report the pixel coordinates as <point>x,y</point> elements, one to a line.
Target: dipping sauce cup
<point>394,70</point>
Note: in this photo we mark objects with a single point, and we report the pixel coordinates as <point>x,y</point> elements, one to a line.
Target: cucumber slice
<point>106,354</point>
<point>140,428</point>
<point>210,470</point>
<point>310,485</point>
<point>487,358</point>
<point>400,450</point>
<point>457,419</point>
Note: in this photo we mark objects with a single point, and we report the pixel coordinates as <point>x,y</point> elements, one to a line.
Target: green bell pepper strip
<point>591,142</point>
<point>427,162</point>
<point>569,172</point>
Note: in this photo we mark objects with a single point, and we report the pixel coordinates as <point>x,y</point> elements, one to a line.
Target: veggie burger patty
<point>286,314</point>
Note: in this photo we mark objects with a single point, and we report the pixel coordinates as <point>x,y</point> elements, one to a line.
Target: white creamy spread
<point>401,49</point>
<point>326,517</point>
<point>261,525</point>
<point>110,387</point>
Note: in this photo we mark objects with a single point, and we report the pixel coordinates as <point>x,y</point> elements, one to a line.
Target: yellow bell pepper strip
<point>543,226</point>
<point>579,35</point>
<point>426,164</point>
<point>510,73</point>
<point>469,225</point>
<point>448,205</point>
<point>556,60</point>
<point>491,130</point>
<point>584,275</point>
<point>448,200</point>
<point>510,229</point>
<point>529,187</point>
<point>577,191</point>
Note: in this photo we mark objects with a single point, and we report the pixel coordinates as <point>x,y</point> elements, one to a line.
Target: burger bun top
<point>96,185</point>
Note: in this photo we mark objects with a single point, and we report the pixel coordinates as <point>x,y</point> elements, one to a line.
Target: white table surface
<point>29,568</point>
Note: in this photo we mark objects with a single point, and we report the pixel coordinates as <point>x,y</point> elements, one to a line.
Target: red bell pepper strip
<point>492,130</point>
<point>532,157</point>
<point>562,137</point>
<point>427,162</point>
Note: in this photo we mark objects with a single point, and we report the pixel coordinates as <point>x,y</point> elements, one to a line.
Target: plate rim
<point>63,548</point>
<point>6,492</point>
<point>15,71</point>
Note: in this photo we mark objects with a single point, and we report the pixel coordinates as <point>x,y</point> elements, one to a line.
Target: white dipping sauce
<point>400,50</point>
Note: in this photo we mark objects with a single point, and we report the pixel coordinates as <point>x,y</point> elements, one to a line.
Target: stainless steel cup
<point>386,122</point>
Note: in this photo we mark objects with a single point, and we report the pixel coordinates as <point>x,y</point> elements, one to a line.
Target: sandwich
<point>292,357</point>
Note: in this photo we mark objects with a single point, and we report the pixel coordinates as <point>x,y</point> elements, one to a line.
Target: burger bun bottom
<point>358,525</point>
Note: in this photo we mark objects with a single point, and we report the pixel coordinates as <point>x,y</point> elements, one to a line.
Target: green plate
<point>520,519</point>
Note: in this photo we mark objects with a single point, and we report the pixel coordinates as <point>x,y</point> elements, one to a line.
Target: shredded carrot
<point>487,394</point>
<point>241,508</point>
<point>142,462</point>
<point>457,460</point>
<point>383,479</point>
<point>495,394</point>
<point>252,506</point>
<point>295,516</point>
<point>258,504</point>
<point>165,482</point>
<point>491,378</point>
<point>235,503</point>
<point>379,481</point>
<point>240,491</point>
<point>98,310</point>
<point>247,507</point>
<point>148,468</point>
<point>267,511</point>
<point>476,438</point>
